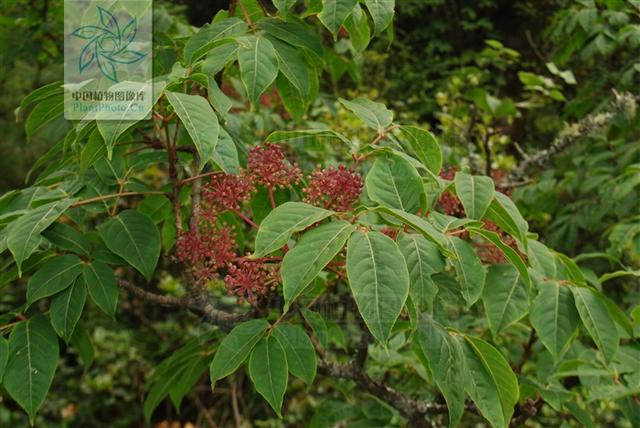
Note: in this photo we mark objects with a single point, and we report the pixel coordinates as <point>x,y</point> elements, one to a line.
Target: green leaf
<point>554,316</point>
<point>382,13</point>
<point>446,361</point>
<point>44,112</point>
<point>374,115</point>
<point>81,342</point>
<point>470,271</point>
<point>101,283</point>
<point>597,320</point>
<point>111,130</point>
<point>219,56</point>
<point>134,237</point>
<point>301,357</point>
<point>379,280</point>
<point>258,65</point>
<point>200,121</point>
<point>53,276</point>
<point>284,5</point>
<point>226,154</point>
<point>92,151</point>
<point>619,274</point>
<point>512,255</point>
<point>235,348</point>
<point>295,68</point>
<point>421,225</point>
<point>39,94</point>
<point>311,254</point>
<point>425,146</point>
<point>423,259</point>
<point>503,212</point>
<point>505,297</point>
<point>203,41</point>
<point>541,259</point>
<point>294,33</point>
<point>475,193</point>
<point>33,357</point>
<point>4,356</point>
<point>357,25</point>
<point>66,308</point>
<point>67,238</point>
<point>276,229</point>
<point>318,326</point>
<point>491,383</point>
<point>334,12</point>
<point>220,102</point>
<point>268,371</point>
<point>395,183</point>
<point>24,236</point>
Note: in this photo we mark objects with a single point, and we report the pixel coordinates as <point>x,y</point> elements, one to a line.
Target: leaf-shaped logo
<point>107,44</point>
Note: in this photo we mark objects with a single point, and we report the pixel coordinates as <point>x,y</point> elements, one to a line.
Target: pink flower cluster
<point>249,280</point>
<point>268,166</point>
<point>335,189</point>
<point>448,202</point>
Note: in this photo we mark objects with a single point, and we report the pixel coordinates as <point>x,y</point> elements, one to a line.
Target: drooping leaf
<point>510,254</point>
<point>334,12</point>
<point>491,383</point>
<point>597,320</point>
<point>505,297</point>
<point>4,355</point>
<point>53,276</point>
<point>470,271</point>
<point>286,219</point>
<point>101,284</point>
<point>66,309</point>
<point>235,348</point>
<point>395,183</point>
<point>268,371</point>
<point>67,238</point>
<point>475,193</point>
<point>554,316</point>
<point>310,255</point>
<point>421,225</point>
<point>226,154</point>
<point>294,33</point>
<point>24,235</point>
<point>357,24</point>
<point>134,237</point>
<point>423,259</point>
<point>374,115</point>
<point>379,280</point>
<point>199,120</point>
<point>258,65</point>
<point>205,39</point>
<point>382,13</point>
<point>33,357</point>
<point>503,212</point>
<point>81,342</point>
<point>425,146</point>
<point>447,363</point>
<point>301,357</point>
<point>43,113</point>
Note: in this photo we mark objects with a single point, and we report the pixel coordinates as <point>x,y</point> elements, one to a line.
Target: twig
<point>114,195</point>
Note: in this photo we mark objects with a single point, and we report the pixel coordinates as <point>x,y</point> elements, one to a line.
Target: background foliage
<point>440,295</point>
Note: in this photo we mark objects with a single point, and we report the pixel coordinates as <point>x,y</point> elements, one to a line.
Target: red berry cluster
<point>335,189</point>
<point>268,166</point>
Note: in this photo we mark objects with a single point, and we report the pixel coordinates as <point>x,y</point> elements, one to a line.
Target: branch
<point>622,103</point>
<point>224,320</point>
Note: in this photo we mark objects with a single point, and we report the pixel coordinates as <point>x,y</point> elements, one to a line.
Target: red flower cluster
<point>333,188</point>
<point>249,279</point>
<point>206,250</point>
<point>448,202</point>
<point>268,166</point>
<point>227,191</point>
